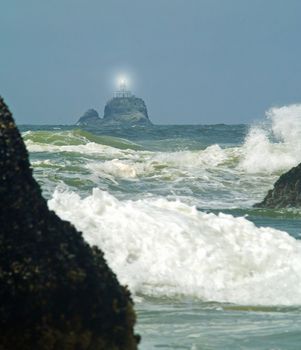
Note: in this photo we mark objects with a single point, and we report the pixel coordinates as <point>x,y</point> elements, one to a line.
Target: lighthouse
<point>124,109</point>
<point>123,92</point>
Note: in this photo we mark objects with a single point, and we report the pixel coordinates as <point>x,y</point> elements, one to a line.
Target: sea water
<point>171,207</point>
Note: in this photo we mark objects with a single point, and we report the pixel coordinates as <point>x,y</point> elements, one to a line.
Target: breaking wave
<point>76,140</point>
<point>216,176</point>
<point>166,248</point>
<point>274,146</point>
<point>270,147</point>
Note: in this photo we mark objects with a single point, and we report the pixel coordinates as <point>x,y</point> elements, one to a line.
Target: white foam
<point>275,146</point>
<point>118,168</point>
<point>42,162</point>
<point>211,156</point>
<point>146,163</point>
<point>166,248</point>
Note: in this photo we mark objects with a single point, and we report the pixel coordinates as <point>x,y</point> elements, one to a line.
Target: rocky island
<point>89,117</point>
<point>286,192</point>
<point>123,109</point>
<point>56,291</point>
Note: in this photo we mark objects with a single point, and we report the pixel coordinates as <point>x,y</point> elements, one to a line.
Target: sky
<point>192,61</point>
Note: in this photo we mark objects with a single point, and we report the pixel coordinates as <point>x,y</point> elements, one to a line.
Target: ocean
<point>171,207</point>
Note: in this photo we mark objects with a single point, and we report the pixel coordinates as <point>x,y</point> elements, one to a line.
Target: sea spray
<point>286,123</point>
<point>166,248</point>
<point>274,146</point>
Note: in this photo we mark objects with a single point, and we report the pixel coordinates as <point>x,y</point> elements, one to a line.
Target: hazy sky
<point>192,61</point>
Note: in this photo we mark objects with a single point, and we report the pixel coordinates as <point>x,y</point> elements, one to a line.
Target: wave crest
<point>167,248</point>
<point>75,137</point>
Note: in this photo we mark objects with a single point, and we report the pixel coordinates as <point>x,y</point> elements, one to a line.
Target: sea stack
<point>57,293</point>
<point>124,109</point>
<point>286,192</point>
<point>89,117</point>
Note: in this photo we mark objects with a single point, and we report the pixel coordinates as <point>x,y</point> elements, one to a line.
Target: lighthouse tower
<point>123,92</point>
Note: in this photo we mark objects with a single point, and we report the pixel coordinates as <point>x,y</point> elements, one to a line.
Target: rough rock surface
<point>121,111</point>
<point>56,292</point>
<point>90,117</point>
<point>286,192</point>
<point>130,110</point>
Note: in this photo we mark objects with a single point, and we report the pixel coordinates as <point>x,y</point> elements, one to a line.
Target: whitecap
<point>167,248</point>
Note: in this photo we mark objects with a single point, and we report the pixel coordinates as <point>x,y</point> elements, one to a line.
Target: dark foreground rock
<point>286,192</point>
<point>56,292</point>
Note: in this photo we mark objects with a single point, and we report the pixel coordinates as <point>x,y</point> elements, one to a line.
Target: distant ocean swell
<point>269,147</point>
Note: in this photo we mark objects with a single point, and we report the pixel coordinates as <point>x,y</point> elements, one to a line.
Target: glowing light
<point>122,81</point>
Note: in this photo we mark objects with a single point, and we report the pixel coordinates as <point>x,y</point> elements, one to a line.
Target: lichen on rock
<point>56,292</point>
